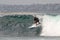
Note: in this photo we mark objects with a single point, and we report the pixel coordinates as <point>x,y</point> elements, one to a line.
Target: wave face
<point>51,25</point>
<point>16,25</point>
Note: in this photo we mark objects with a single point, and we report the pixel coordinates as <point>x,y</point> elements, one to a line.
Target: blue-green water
<point>17,25</point>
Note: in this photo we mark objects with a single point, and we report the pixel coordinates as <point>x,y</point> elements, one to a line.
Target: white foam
<point>2,15</point>
<point>51,25</point>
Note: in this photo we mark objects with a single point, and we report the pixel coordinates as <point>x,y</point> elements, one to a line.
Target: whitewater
<point>50,25</point>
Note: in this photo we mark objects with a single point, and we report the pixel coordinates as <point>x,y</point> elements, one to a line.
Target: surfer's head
<point>36,20</point>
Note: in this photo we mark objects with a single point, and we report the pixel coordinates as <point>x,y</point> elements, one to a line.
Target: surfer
<point>36,21</point>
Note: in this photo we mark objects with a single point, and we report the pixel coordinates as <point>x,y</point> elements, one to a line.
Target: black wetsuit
<point>36,19</point>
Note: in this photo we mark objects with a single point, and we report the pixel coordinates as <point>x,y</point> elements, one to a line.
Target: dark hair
<point>36,19</point>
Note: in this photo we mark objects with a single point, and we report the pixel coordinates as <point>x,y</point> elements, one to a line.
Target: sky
<point>13,2</point>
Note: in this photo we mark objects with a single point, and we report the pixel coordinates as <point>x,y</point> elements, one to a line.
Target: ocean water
<point>17,26</point>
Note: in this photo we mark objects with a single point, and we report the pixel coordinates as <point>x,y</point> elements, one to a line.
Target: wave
<point>51,25</point>
<point>16,25</point>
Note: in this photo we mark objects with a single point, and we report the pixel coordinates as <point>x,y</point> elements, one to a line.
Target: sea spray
<point>50,25</point>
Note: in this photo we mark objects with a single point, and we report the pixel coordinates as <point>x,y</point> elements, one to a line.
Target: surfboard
<point>34,25</point>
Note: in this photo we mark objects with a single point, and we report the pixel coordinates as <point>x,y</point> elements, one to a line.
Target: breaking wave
<point>51,25</point>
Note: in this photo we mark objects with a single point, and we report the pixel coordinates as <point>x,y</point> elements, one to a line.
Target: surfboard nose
<point>34,25</point>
